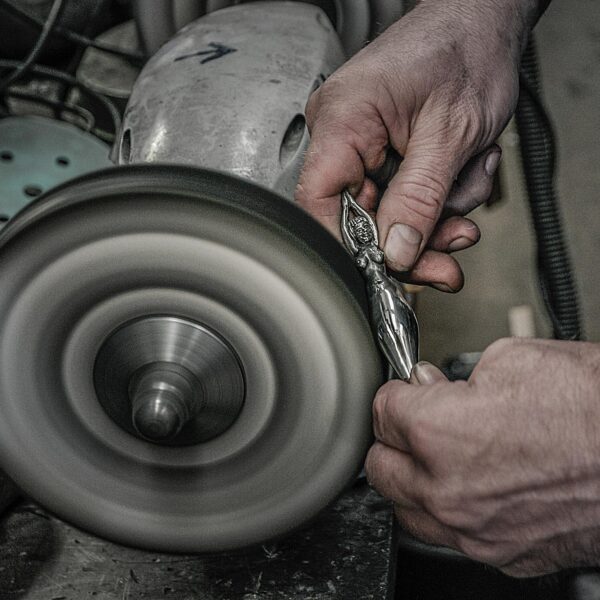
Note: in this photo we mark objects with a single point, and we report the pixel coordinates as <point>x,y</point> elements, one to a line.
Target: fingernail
<point>425,373</point>
<point>443,288</point>
<point>402,246</point>
<point>460,244</point>
<point>492,162</point>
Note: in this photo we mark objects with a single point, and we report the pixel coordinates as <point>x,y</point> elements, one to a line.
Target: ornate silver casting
<point>392,318</point>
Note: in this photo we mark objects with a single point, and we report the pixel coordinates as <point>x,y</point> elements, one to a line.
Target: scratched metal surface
<point>228,91</point>
<point>345,554</point>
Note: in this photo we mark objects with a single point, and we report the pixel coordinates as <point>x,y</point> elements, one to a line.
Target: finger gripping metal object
<point>392,318</point>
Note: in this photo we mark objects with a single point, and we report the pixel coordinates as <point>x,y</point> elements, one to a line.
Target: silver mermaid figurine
<point>392,318</point>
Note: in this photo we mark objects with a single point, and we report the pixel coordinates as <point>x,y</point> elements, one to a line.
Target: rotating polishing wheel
<point>185,360</point>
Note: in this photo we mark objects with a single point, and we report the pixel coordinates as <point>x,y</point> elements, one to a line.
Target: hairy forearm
<point>520,15</point>
<point>489,26</point>
<point>535,7</point>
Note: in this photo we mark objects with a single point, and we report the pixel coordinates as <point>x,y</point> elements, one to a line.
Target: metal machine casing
<point>229,91</point>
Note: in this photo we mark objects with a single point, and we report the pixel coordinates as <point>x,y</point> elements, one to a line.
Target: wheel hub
<point>169,380</point>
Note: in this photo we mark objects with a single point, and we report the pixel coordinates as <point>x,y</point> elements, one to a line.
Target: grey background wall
<point>500,270</point>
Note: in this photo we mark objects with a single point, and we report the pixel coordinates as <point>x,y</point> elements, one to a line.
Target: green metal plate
<point>37,153</point>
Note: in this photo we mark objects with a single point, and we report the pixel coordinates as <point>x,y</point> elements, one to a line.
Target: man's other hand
<point>505,467</point>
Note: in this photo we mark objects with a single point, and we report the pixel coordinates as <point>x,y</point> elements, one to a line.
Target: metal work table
<point>344,554</point>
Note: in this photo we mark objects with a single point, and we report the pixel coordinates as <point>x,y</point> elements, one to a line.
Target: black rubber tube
<point>556,277</point>
<point>46,33</point>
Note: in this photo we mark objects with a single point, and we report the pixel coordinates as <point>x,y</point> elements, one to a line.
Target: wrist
<point>511,20</point>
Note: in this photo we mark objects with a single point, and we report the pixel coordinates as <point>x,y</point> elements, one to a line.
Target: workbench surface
<point>345,554</point>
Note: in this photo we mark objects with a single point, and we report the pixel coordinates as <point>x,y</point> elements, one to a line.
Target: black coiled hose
<point>556,277</point>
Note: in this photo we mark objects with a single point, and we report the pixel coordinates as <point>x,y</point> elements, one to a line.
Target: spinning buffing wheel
<point>185,361</point>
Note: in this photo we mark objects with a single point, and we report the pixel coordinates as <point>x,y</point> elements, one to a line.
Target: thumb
<point>413,202</point>
<point>425,373</point>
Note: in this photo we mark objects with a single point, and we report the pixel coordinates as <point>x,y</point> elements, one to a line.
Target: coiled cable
<point>538,152</point>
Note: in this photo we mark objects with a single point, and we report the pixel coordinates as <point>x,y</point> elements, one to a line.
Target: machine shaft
<point>162,401</point>
<point>169,380</point>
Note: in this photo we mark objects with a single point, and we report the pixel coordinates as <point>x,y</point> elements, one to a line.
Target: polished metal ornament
<point>392,318</point>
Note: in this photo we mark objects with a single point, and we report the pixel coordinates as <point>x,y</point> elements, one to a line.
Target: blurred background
<point>500,270</point>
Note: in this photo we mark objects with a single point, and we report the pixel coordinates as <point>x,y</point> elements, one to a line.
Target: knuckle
<point>445,503</point>
<point>376,468</point>
<point>300,194</point>
<point>480,550</point>
<point>498,349</point>
<point>515,354</point>
<point>381,407</point>
<point>312,108</point>
<point>517,571</point>
<point>371,462</point>
<point>409,523</point>
<point>378,416</point>
<point>347,115</point>
<point>421,434</point>
<point>475,549</point>
<point>383,395</point>
<point>322,110</point>
<point>441,505</point>
<point>530,567</point>
<point>458,121</point>
<point>423,195</point>
<point>337,86</point>
<point>468,122</point>
<point>478,192</point>
<point>328,95</point>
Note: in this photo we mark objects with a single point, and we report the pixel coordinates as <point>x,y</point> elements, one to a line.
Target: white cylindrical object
<point>521,321</point>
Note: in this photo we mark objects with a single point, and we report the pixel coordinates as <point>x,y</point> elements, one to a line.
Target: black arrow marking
<point>216,51</point>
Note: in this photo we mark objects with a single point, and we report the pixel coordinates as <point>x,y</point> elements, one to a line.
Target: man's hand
<point>504,467</point>
<point>438,87</point>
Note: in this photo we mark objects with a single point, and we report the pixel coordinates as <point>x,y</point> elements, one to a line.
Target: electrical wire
<point>20,69</point>
<point>73,64</point>
<point>50,73</point>
<point>35,52</point>
<point>59,107</point>
<point>88,30</point>
<point>538,153</point>
<point>533,95</point>
<point>135,58</point>
<point>85,115</point>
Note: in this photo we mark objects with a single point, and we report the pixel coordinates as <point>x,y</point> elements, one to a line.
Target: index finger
<point>390,407</point>
<point>398,411</point>
<point>330,166</point>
